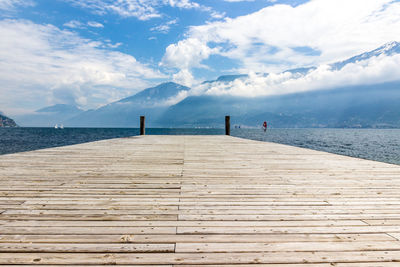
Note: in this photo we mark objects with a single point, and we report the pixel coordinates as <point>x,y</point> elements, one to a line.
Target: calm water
<point>381,145</point>
<point>375,144</point>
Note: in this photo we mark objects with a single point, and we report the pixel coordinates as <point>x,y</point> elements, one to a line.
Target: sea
<point>374,144</point>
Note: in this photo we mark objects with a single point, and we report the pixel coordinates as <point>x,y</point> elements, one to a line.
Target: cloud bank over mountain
<point>281,36</point>
<point>371,68</point>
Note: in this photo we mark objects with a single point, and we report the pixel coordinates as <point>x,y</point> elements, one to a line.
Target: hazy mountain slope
<point>60,108</point>
<point>228,78</point>
<point>151,102</point>
<point>357,106</point>
<point>155,95</point>
<point>49,116</point>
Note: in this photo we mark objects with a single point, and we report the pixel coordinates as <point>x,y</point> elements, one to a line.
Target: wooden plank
<point>256,217</point>
<point>287,246</point>
<point>167,238</point>
<point>90,217</point>
<point>199,258</point>
<point>90,212</point>
<point>288,230</point>
<point>197,200</point>
<point>358,264</point>
<point>66,223</point>
<point>77,265</point>
<point>86,248</point>
<point>383,222</point>
<point>88,230</point>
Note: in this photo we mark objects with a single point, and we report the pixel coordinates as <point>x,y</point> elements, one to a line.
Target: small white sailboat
<point>61,126</point>
<point>56,126</point>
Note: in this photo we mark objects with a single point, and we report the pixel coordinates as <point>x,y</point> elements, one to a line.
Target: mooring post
<point>228,125</point>
<point>142,125</point>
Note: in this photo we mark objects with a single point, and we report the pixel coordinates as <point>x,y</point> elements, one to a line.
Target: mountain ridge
<point>6,121</point>
<point>59,108</point>
<point>168,104</point>
<point>150,102</point>
<point>48,116</point>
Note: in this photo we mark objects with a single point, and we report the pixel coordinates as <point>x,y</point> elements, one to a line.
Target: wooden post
<point>227,125</point>
<point>142,125</point>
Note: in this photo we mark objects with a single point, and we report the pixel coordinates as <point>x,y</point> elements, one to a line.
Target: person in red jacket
<point>265,126</point>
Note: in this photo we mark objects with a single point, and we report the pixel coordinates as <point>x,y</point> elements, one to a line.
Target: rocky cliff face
<point>7,122</point>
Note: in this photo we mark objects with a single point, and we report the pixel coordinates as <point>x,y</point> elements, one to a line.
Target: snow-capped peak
<point>388,49</point>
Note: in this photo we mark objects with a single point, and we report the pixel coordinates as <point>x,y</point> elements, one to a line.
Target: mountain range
<point>152,103</point>
<point>167,105</point>
<point>49,116</point>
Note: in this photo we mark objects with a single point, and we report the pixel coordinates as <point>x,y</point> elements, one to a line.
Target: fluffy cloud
<point>143,10</point>
<point>377,69</point>
<point>279,37</point>
<point>187,54</point>
<point>42,64</point>
<point>184,77</point>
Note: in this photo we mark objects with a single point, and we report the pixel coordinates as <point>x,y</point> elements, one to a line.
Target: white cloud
<point>143,10</point>
<point>184,77</point>
<point>268,40</point>
<point>186,54</point>
<point>41,64</point>
<point>95,24</point>
<point>217,15</point>
<point>379,69</point>
<point>164,28</point>
<point>10,5</point>
<point>235,1</point>
<point>182,4</point>
<point>176,99</point>
<point>116,45</point>
<point>74,24</point>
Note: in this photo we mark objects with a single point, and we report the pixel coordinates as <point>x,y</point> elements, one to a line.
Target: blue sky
<point>143,34</point>
<point>92,52</point>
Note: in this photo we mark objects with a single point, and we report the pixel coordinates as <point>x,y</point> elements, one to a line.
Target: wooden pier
<point>197,200</point>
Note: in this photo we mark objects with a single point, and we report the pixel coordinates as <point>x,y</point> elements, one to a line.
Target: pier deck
<point>193,200</point>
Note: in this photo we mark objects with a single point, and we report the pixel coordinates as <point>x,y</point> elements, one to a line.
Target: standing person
<point>265,126</point>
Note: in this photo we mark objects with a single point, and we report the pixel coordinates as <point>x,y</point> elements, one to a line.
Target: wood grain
<point>197,200</point>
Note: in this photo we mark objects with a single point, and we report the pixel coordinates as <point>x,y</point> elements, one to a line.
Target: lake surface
<point>375,144</point>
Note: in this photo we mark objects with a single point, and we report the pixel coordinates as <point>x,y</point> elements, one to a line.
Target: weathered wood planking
<point>197,200</point>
